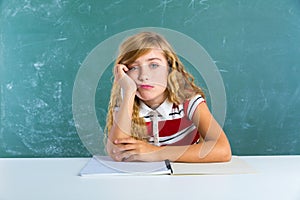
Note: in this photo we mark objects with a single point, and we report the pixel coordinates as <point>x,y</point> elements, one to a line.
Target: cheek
<point>160,78</point>
<point>133,76</point>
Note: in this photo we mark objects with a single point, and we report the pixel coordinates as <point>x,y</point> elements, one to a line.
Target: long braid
<point>138,126</point>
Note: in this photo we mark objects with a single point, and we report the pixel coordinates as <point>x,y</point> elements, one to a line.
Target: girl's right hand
<point>125,82</point>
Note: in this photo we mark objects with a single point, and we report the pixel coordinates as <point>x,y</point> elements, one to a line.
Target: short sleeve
<point>191,105</point>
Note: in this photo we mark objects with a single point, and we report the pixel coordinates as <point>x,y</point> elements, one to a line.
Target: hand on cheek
<point>125,82</point>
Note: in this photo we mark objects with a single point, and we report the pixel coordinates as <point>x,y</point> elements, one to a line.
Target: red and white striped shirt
<point>174,122</point>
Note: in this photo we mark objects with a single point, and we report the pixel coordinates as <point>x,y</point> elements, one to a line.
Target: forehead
<point>151,55</point>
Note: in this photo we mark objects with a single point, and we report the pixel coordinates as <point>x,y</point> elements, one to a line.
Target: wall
<point>255,45</point>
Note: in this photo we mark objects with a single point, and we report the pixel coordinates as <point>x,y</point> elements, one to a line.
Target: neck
<point>155,103</point>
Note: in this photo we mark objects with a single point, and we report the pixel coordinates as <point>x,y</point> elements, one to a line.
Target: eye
<point>153,65</point>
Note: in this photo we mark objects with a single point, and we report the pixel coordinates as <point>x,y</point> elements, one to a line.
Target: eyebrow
<point>149,59</point>
<point>155,58</point>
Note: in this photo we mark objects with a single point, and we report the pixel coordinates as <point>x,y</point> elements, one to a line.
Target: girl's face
<point>150,73</point>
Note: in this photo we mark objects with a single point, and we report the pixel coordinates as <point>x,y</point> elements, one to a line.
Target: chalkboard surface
<point>255,45</point>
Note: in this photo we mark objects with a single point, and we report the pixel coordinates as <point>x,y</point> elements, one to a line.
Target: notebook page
<point>104,165</point>
<point>235,166</point>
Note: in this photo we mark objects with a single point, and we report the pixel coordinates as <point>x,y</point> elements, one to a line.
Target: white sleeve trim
<point>193,104</point>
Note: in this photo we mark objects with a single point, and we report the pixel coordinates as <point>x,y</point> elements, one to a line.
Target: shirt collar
<point>164,109</point>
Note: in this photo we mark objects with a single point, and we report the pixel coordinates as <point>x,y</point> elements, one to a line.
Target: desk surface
<point>277,178</point>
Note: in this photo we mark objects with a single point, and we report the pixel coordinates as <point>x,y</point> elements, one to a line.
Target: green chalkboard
<point>43,44</point>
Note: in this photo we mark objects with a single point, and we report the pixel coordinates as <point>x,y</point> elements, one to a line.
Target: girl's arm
<point>122,118</point>
<point>213,148</point>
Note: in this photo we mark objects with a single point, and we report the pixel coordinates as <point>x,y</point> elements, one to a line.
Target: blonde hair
<point>180,84</point>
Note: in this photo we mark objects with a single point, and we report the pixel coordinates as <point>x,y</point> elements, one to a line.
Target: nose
<point>143,75</point>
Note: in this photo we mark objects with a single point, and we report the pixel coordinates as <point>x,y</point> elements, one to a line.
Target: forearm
<point>121,127</point>
<point>206,151</point>
<point>121,123</point>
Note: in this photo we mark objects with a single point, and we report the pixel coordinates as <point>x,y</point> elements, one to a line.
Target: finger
<point>118,155</point>
<point>129,140</point>
<point>117,71</point>
<point>125,68</point>
<point>128,156</point>
<point>131,158</point>
<point>126,147</point>
<point>119,68</point>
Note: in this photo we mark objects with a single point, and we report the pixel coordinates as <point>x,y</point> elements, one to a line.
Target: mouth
<point>146,86</point>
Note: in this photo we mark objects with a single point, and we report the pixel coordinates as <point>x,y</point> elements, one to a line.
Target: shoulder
<point>190,105</point>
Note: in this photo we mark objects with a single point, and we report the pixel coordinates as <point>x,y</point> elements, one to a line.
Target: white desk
<point>278,178</point>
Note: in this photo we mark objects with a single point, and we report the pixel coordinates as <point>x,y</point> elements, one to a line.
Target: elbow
<point>225,154</point>
<point>224,151</point>
<point>221,152</point>
<point>218,153</point>
<point>110,153</point>
<point>109,149</point>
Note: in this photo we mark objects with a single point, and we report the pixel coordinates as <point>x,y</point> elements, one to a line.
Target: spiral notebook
<point>104,165</point>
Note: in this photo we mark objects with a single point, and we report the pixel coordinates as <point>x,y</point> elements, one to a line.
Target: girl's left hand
<point>130,149</point>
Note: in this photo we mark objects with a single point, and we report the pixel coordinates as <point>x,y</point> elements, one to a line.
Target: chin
<point>146,97</point>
